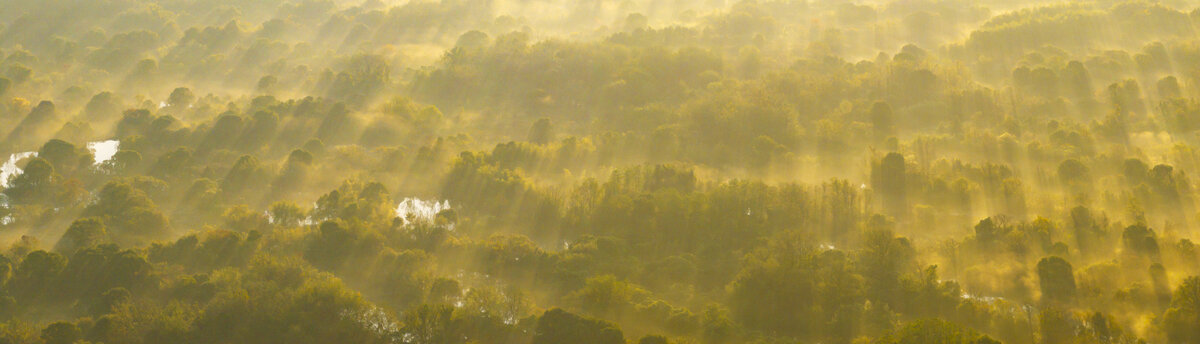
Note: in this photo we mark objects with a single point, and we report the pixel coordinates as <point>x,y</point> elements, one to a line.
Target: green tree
<point>1073,174</point>
<point>541,132</point>
<point>934,331</point>
<point>1140,240</point>
<point>60,154</point>
<point>286,214</point>
<point>883,260</point>
<point>61,333</point>
<point>37,276</point>
<point>653,339</point>
<point>1057,279</point>
<point>82,233</point>
<point>559,326</point>
<point>606,296</point>
<point>1179,321</point>
<point>1056,326</point>
<point>890,179</point>
<point>431,324</point>
<point>35,184</point>
<point>6,270</point>
<point>181,98</point>
<point>128,212</point>
<point>882,121</point>
<point>717,327</point>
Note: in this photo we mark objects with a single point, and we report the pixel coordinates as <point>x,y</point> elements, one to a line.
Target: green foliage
<point>82,233</point>
<point>36,183</point>
<point>559,326</point>
<point>1056,278</point>
<point>1180,319</point>
<point>321,171</point>
<point>61,333</point>
<point>934,331</point>
<point>130,214</point>
<point>38,271</point>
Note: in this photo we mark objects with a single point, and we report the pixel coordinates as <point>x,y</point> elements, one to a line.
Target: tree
<point>246,175</point>
<point>1181,317</point>
<point>286,214</point>
<point>285,302</point>
<point>181,98</point>
<point>1168,87</point>
<point>653,339</point>
<point>558,326</point>
<point>890,181</point>
<point>128,212</point>
<point>934,331</point>
<point>60,154</point>
<point>122,162</point>
<point>61,333</point>
<point>104,106</point>
<point>293,175</point>
<point>1140,240</point>
<point>1078,81</point>
<point>1056,325</point>
<point>35,126</point>
<point>223,133</point>
<point>428,324</point>
<point>1073,174</point>
<point>1084,228</point>
<point>882,121</point>
<point>259,132</point>
<point>267,84</point>
<point>173,165</point>
<point>606,296</point>
<point>541,132</point>
<point>35,184</point>
<point>987,231</point>
<point>777,290</point>
<point>362,79</point>
<point>37,275</point>
<point>333,244</point>
<point>241,218</point>
<point>82,233</point>
<point>1100,325</point>
<point>94,270</point>
<point>110,301</point>
<point>1056,279</point>
<point>6,270</point>
<point>445,290</point>
<point>718,328</point>
<point>882,261</point>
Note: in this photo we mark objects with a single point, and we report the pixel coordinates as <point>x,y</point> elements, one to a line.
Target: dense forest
<point>599,171</point>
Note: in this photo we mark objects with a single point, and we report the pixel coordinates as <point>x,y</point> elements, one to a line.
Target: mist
<point>635,171</point>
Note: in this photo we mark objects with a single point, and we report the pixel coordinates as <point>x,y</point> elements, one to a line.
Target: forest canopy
<point>610,172</point>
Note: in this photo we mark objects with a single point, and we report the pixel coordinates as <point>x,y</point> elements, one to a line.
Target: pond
<point>420,209</point>
<point>103,150</point>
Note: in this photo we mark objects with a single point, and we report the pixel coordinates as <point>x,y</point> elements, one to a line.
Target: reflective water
<point>104,150</point>
<point>10,169</point>
<point>420,209</point>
